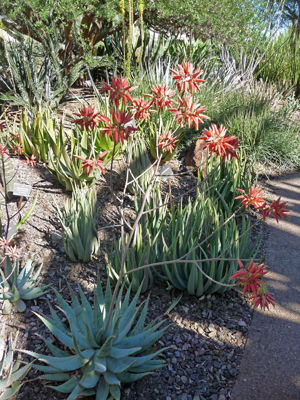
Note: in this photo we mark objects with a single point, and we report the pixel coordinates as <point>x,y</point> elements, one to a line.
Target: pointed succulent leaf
<point>56,377</point>
<point>90,377</point>
<point>129,377</point>
<point>66,387</point>
<point>100,364</point>
<point>120,353</point>
<point>106,348</point>
<point>115,391</point>
<point>118,365</point>
<point>111,378</point>
<point>103,389</point>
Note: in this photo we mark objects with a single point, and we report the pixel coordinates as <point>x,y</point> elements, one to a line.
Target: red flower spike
<point>93,163</point>
<point>30,162</point>
<point>117,90</point>
<point>277,209</point>
<point>166,141</point>
<point>262,298</point>
<point>18,149</point>
<point>219,143</point>
<point>119,129</point>
<point>140,109</point>
<point>162,97</point>
<point>16,137</point>
<point>254,197</point>
<point>2,126</point>
<point>90,118</point>
<point>189,111</point>
<point>250,278</point>
<point>3,150</point>
<point>187,77</point>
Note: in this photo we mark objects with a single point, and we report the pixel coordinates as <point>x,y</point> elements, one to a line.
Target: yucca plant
<point>100,357</point>
<point>188,227</point>
<point>21,285</point>
<point>10,374</point>
<point>79,219</point>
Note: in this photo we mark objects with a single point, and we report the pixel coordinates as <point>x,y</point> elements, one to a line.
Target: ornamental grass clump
<point>105,349</point>
<point>19,284</point>
<point>10,374</point>
<point>79,219</point>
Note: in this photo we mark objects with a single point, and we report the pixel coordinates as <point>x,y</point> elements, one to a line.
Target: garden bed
<point>205,337</point>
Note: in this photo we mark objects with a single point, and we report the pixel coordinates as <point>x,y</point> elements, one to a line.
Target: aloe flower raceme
<point>18,149</point>
<point>119,129</point>
<point>30,161</point>
<point>277,209</point>
<point>21,285</point>
<point>218,142</point>
<point>117,90</point>
<point>254,197</point>
<point>166,141</point>
<point>3,150</point>
<point>250,278</point>
<point>187,77</point>
<point>189,111</point>
<point>89,118</point>
<point>140,109</point>
<point>93,163</point>
<point>99,359</point>
<point>162,97</point>
<point>262,298</point>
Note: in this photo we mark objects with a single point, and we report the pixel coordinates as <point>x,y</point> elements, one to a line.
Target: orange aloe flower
<point>93,163</point>
<point>3,150</point>
<point>187,77</point>
<point>166,141</point>
<point>218,141</point>
<point>90,118</point>
<point>189,111</point>
<point>254,197</point>
<point>250,278</point>
<point>120,128</point>
<point>140,109</point>
<point>119,87</point>
<point>262,298</point>
<point>162,97</point>
<point>277,209</point>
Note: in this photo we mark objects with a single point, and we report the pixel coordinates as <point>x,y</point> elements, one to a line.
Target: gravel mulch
<point>205,337</point>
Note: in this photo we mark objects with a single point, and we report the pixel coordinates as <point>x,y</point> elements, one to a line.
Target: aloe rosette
<point>20,286</point>
<point>10,373</point>
<point>100,359</point>
<point>79,219</point>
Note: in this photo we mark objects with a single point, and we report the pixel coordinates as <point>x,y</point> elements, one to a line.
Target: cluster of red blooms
<point>276,208</point>
<point>251,278</point>
<point>166,141</point>
<point>11,251</point>
<point>252,281</point>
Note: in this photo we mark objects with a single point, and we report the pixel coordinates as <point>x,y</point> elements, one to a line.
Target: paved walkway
<point>270,367</point>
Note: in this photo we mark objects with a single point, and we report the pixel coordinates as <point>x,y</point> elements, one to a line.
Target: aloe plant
<point>140,166</point>
<point>99,359</point>
<point>79,219</point>
<point>10,374</point>
<point>21,285</point>
<point>223,180</point>
<point>188,227</point>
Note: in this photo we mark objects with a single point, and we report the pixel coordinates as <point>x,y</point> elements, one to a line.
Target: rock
<point>196,156</point>
<point>184,379</point>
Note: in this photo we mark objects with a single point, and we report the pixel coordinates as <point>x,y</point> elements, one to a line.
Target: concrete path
<point>270,367</point>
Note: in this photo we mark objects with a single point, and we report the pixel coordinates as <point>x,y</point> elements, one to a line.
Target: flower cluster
<point>166,141</point>
<point>162,97</point>
<point>30,161</point>
<point>93,163</point>
<point>140,109</point>
<point>89,118</point>
<point>187,77</point>
<point>251,280</point>
<point>189,111</point>
<point>218,142</point>
<point>117,90</point>
<point>276,208</point>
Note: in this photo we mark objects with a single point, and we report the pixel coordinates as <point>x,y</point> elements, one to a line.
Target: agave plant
<point>188,227</point>
<point>80,224</point>
<point>20,285</point>
<point>10,374</point>
<point>100,359</point>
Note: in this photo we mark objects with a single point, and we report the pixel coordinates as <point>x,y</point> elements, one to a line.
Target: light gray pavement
<point>270,367</point>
